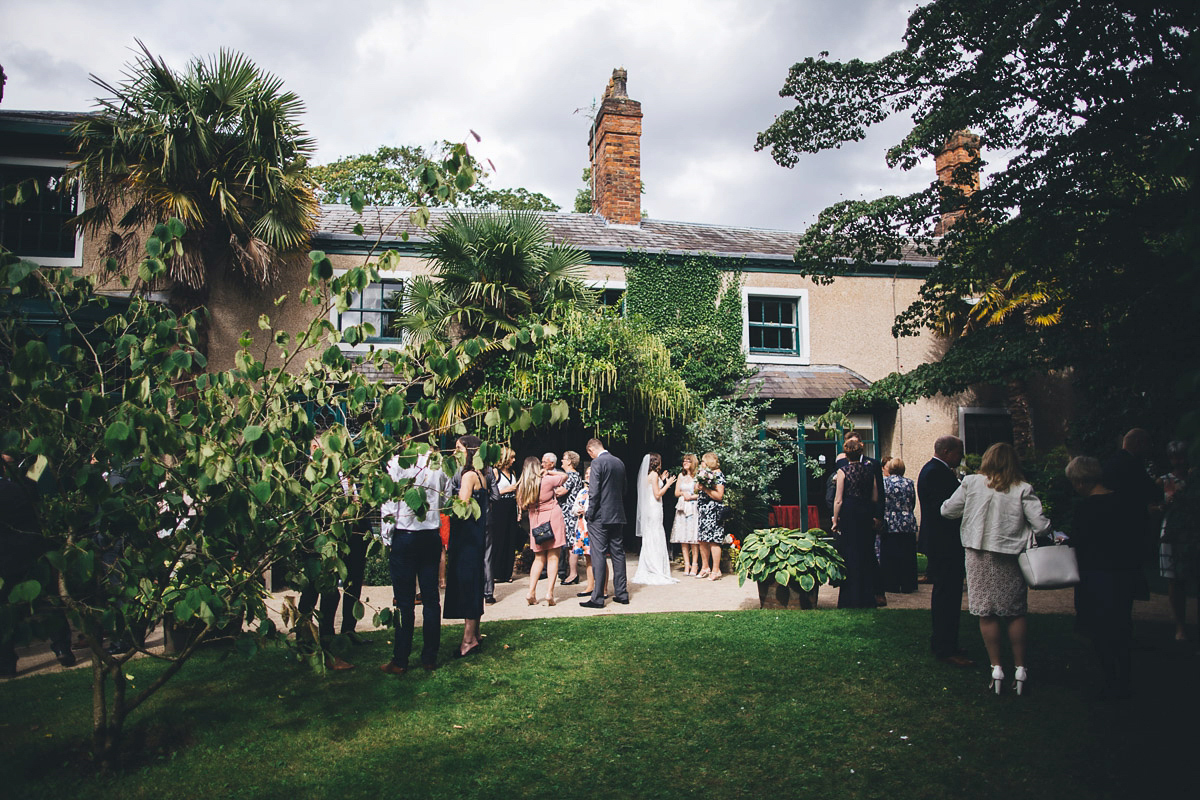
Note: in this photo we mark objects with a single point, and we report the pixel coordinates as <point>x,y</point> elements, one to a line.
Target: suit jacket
<point>936,483</point>
<point>606,490</point>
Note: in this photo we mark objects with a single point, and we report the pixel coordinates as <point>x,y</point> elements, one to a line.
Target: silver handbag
<point>1050,567</point>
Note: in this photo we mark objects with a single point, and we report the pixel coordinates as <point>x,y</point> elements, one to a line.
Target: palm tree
<point>491,271</point>
<point>218,146</point>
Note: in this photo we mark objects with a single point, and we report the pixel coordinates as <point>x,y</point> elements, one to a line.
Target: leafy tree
<point>397,176</point>
<point>1096,206</point>
<point>218,146</point>
<point>583,197</point>
<point>696,308</point>
<point>223,476</point>
<point>752,455</point>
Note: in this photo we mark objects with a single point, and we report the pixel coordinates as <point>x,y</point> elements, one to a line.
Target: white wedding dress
<point>654,563</point>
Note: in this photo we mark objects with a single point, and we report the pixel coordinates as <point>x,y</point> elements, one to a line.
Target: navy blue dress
<point>464,563</point>
<point>856,540</point>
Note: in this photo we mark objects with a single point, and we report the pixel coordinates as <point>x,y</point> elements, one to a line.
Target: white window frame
<point>402,276</point>
<point>802,355</point>
<point>51,261</point>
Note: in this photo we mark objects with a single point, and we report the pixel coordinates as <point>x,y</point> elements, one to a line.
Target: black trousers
<point>947,569</point>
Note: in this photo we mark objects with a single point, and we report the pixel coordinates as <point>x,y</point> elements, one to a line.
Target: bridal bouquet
<point>706,478</point>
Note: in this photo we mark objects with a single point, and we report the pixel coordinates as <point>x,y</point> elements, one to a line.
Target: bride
<point>654,563</point>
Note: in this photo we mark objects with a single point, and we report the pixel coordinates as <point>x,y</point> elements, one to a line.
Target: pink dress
<point>547,510</point>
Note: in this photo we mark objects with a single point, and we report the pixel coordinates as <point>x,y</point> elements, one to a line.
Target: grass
<point>736,704</point>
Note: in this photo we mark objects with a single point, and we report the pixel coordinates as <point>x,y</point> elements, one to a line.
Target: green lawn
<point>829,704</point>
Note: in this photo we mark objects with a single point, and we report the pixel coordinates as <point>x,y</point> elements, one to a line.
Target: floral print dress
<point>711,530</point>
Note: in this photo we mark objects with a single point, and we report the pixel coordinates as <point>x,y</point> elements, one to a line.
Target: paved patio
<point>690,594</point>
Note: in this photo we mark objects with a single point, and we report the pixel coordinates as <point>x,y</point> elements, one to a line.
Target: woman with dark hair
<point>998,510</point>
<point>536,497</point>
<point>654,561</point>
<point>503,531</point>
<point>464,557</point>
<point>854,502</point>
<point>898,544</point>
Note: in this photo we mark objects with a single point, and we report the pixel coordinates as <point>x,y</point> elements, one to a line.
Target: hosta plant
<point>790,557</point>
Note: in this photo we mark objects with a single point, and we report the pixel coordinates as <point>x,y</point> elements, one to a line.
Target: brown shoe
<point>392,669</point>
<point>339,664</point>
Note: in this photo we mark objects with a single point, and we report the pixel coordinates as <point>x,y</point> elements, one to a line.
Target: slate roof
<point>590,232</point>
<point>813,382</point>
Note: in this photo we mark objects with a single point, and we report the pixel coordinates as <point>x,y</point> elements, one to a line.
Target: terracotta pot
<point>774,595</point>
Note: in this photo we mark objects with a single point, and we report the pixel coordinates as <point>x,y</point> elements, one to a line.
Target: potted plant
<point>789,565</point>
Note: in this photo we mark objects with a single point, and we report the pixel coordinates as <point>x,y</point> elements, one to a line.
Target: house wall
<point>850,324</point>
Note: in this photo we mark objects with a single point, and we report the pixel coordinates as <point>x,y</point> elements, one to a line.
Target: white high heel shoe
<point>1019,677</point>
<point>997,678</point>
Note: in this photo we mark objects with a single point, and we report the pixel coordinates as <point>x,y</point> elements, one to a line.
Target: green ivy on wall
<point>694,304</point>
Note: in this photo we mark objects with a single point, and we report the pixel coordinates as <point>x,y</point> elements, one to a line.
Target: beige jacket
<point>999,522</point>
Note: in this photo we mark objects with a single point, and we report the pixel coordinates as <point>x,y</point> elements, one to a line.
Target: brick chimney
<point>616,155</point>
<point>961,148</point>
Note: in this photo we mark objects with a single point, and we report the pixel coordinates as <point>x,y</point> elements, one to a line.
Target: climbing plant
<point>695,305</point>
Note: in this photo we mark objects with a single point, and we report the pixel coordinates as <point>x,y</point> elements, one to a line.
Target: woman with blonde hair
<point>711,529</point>
<point>685,529</point>
<point>998,511</point>
<point>536,497</point>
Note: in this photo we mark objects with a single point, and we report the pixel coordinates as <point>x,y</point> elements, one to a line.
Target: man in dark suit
<point>1125,473</point>
<point>940,542</point>
<point>605,520</point>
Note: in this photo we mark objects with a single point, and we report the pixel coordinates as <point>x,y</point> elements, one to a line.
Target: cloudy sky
<point>520,72</point>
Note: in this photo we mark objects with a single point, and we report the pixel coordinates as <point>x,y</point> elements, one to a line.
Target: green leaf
<point>252,432</point>
<point>153,246</point>
<point>806,582</point>
<point>176,227</point>
<point>356,202</point>
<point>261,491</point>
<point>393,407</point>
<point>359,611</point>
<point>117,434</point>
<point>25,592</point>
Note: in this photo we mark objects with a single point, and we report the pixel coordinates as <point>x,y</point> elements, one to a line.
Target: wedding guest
<point>415,550</point>
<point>566,501</point>
<point>502,528</point>
<point>898,547</point>
<point>464,556</point>
<point>997,508</point>
<point>940,541</point>
<point>854,503</point>
<point>1127,475</point>
<point>537,499</point>
<point>582,547</point>
<point>1108,577</point>
<point>711,528</point>
<point>685,529</point>
<point>1180,540</point>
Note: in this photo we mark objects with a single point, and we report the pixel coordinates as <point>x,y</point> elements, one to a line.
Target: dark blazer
<point>934,486</point>
<point>606,490</point>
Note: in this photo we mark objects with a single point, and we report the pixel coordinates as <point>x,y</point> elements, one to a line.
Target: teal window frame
<point>771,328</point>
<point>362,311</point>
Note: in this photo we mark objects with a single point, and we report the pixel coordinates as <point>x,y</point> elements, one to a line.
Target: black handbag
<point>543,534</point>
